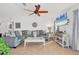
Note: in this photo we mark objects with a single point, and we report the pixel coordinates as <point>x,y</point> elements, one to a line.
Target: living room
<point>30,31</point>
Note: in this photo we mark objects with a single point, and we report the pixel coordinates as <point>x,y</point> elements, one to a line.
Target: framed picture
<point>18,25</point>
<point>10,26</point>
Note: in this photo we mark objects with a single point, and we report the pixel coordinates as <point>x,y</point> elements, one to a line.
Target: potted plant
<point>4,48</point>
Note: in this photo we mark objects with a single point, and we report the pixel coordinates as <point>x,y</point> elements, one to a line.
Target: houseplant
<point>4,48</point>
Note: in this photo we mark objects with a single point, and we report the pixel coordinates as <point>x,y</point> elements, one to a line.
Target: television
<point>62,19</point>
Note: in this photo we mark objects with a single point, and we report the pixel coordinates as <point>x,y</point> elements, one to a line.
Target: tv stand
<point>62,39</point>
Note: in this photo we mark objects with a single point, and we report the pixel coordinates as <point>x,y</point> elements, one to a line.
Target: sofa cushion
<point>17,34</point>
<point>29,33</point>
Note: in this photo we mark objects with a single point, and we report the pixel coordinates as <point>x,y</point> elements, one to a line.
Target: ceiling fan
<point>36,11</point>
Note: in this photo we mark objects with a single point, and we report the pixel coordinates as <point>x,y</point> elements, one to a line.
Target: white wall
<point>69,27</point>
<point>26,22</point>
<point>4,24</point>
<point>17,14</point>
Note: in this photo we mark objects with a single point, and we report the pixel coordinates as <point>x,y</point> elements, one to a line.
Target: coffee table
<point>34,39</point>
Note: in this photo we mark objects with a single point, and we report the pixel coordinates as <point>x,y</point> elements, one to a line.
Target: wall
<point>69,27</point>
<point>26,22</point>
<point>14,12</point>
<point>4,24</point>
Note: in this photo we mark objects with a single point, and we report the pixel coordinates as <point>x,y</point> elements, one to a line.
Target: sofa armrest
<point>10,41</point>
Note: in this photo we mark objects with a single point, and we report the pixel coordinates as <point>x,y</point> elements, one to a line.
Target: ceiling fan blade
<point>28,10</point>
<point>31,14</point>
<point>37,7</point>
<point>43,11</point>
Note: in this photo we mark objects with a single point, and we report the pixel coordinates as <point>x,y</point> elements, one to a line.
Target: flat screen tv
<point>62,19</point>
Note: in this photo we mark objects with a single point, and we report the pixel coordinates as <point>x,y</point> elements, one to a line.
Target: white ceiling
<point>8,9</point>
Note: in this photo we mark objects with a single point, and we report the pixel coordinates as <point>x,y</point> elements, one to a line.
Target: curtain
<point>75,30</point>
